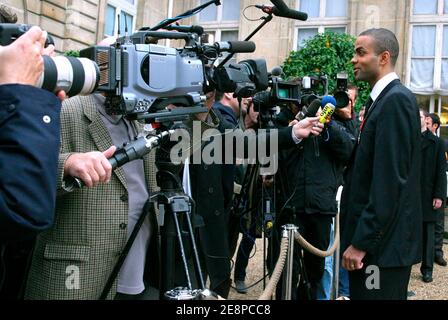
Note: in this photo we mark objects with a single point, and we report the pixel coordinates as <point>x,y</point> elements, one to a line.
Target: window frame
<point>320,23</point>
<point>219,25</point>
<point>439,20</point>
<point>121,6</point>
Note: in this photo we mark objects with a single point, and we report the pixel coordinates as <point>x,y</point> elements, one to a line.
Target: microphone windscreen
<point>277,71</point>
<point>313,108</point>
<point>328,99</point>
<point>242,46</point>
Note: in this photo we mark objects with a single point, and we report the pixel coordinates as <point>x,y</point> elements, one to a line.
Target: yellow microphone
<point>328,104</point>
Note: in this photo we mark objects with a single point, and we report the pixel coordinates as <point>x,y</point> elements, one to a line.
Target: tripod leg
<point>195,251</point>
<point>182,249</point>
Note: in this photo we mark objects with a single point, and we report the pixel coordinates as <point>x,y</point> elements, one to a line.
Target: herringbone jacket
<point>90,228</point>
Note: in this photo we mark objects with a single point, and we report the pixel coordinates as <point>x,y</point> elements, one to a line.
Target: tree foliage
<point>327,53</point>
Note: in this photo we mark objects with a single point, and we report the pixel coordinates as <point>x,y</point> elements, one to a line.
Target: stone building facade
<point>421,27</point>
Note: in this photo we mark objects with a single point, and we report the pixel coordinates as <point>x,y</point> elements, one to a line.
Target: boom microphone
<point>189,29</point>
<point>236,46</point>
<point>280,9</point>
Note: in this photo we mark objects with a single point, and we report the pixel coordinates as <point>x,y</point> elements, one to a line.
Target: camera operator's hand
<point>306,127</point>
<point>21,62</point>
<point>91,167</point>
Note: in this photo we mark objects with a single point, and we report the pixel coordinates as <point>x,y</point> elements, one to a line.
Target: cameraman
<point>309,176</point>
<point>29,144</point>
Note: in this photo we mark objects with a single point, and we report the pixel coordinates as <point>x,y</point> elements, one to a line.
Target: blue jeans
<point>325,284</point>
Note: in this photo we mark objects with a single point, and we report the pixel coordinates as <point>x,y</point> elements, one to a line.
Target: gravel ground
<point>437,290</point>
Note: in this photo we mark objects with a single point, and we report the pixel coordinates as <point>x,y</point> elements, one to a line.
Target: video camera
<point>140,79</point>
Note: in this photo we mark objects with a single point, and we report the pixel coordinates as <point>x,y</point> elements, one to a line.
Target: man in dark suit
<point>381,206</point>
<point>433,183</point>
<point>29,146</point>
<point>433,124</point>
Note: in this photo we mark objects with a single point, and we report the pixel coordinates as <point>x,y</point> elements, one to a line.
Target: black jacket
<point>29,150</point>
<point>433,179</point>
<point>381,204</point>
<point>311,172</point>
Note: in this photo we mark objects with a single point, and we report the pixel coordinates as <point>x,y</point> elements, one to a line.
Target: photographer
<point>29,144</point>
<point>309,176</point>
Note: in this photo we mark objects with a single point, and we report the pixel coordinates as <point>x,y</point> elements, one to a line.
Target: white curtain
<point>230,10</point>
<point>426,6</point>
<point>209,13</point>
<point>311,7</point>
<point>423,52</point>
<point>336,8</point>
<point>444,84</point>
<point>422,74</point>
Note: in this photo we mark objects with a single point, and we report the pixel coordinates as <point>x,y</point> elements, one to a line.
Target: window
<point>221,22</point>
<point>126,9</point>
<point>428,58</point>
<point>323,15</point>
<point>324,8</point>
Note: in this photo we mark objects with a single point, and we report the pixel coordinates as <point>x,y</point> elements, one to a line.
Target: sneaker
<point>240,286</point>
<point>440,261</point>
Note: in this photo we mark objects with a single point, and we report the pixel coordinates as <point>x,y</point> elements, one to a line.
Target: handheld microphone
<point>310,111</point>
<point>328,104</point>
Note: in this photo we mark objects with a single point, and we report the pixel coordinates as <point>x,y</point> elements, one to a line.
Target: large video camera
<point>140,79</point>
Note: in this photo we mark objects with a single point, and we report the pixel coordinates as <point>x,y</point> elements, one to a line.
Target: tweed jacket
<point>74,259</point>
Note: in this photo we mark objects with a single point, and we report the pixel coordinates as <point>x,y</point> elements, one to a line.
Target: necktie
<point>368,105</point>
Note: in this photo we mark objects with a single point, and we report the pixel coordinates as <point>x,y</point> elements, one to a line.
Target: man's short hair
<point>384,40</point>
<point>354,88</point>
<point>435,119</point>
<point>425,113</point>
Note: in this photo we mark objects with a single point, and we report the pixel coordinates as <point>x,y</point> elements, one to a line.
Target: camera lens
<point>73,75</point>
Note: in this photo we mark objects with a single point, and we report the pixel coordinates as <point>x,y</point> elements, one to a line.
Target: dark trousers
<point>393,284</point>
<point>439,230</point>
<point>14,264</point>
<point>315,228</point>
<point>242,258</point>
<point>428,248</point>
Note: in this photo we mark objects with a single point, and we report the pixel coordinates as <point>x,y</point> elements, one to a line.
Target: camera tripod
<point>271,230</point>
<point>174,219</point>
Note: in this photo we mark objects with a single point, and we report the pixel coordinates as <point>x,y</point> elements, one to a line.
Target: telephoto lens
<point>76,76</point>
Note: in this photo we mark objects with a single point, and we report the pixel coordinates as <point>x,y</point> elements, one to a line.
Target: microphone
<point>328,104</point>
<point>236,46</point>
<point>189,29</point>
<point>310,111</point>
<point>280,9</point>
<point>277,71</point>
<point>131,151</point>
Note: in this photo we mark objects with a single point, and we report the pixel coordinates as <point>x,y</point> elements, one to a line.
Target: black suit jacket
<point>433,180</point>
<point>381,205</point>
